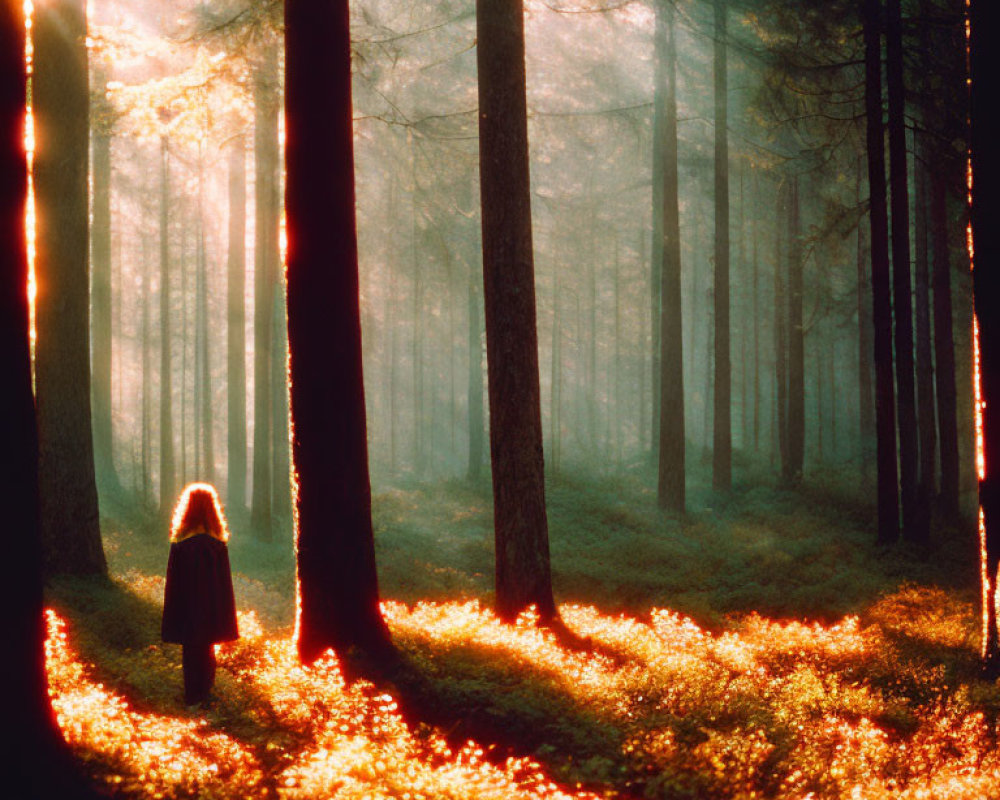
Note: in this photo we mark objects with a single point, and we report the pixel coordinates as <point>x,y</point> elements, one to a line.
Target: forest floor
<point>757,647</point>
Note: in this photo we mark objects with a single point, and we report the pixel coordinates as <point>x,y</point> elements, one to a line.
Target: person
<point>199,609</point>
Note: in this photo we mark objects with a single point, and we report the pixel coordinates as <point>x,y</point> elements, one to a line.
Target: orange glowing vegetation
<point>785,710</point>
<point>155,756</point>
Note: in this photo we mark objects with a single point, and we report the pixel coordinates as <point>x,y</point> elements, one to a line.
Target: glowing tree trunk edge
<point>984,251</point>
<point>37,761</point>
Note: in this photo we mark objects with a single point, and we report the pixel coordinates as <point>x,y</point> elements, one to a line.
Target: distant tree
<point>71,531</point>
<point>944,65</point>
<point>266,203</point>
<point>37,764</point>
<point>722,442</point>
<point>983,18</point>
<point>338,586</point>
<point>236,381</point>
<point>100,287</point>
<point>670,489</point>
<point>523,576</point>
<point>796,416</point>
<point>915,527</point>
<point>885,403</point>
<point>168,482</point>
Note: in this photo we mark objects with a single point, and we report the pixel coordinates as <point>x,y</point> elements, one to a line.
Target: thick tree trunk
<point>670,486</point>
<point>915,527</point>
<point>796,343</point>
<point>986,283</point>
<point>885,401</point>
<point>37,763</point>
<point>722,441</point>
<point>236,382</point>
<point>100,287</point>
<point>337,582</point>
<point>265,86</point>
<point>523,574</point>
<point>71,533</point>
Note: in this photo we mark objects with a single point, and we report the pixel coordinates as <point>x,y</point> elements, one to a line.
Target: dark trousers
<point>198,659</point>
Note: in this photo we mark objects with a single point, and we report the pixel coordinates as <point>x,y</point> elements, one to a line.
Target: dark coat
<point>198,604</point>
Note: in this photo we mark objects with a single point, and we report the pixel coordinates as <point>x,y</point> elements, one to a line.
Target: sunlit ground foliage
<point>883,702</point>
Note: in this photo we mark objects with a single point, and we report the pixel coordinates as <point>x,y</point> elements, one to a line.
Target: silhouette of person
<point>198,605</point>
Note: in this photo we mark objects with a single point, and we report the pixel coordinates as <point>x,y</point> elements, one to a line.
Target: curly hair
<point>198,510</point>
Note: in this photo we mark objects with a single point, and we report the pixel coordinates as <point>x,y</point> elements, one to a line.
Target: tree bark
<point>983,20</point>
<point>671,483</point>
<point>266,189</point>
<point>885,402</point>
<point>236,382</point>
<point>523,576</point>
<point>37,762</point>
<point>337,582</point>
<point>722,442</point>
<point>915,528</point>
<point>71,533</point>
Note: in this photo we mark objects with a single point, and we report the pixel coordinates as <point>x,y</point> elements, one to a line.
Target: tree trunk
<point>265,88</point>
<point>986,285</point>
<point>523,575</point>
<point>555,399</point>
<point>207,426</point>
<point>168,486</point>
<point>722,442</point>
<point>337,582</point>
<point>757,323</point>
<point>925,371</point>
<point>796,343</point>
<point>866,407</point>
<point>885,402</point>
<point>147,384</point>
<point>944,348</point>
<point>38,763</point>
<point>71,533</point>
<point>915,527</point>
<point>236,382</point>
<point>781,346</point>
<point>100,287</point>
<point>670,486</point>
